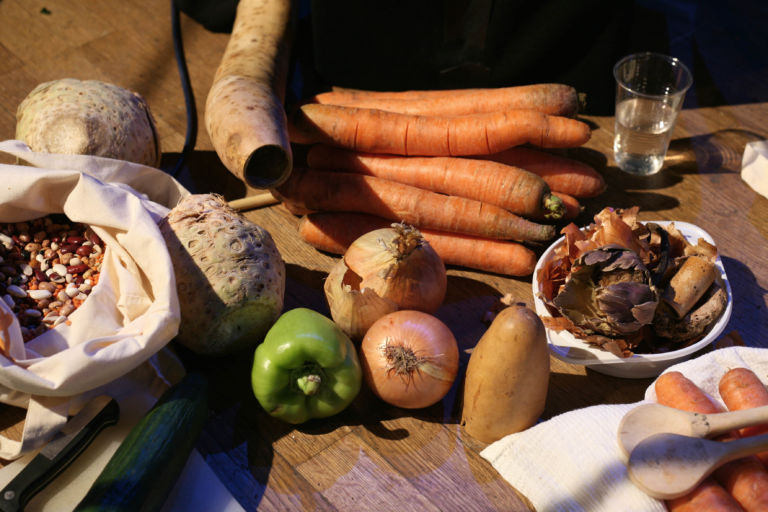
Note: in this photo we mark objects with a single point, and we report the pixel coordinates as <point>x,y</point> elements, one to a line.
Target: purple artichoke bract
<point>609,292</point>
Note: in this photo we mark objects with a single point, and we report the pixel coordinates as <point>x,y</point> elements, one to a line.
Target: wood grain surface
<point>374,456</point>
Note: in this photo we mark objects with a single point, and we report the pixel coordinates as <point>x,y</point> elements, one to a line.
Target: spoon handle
<point>744,446</point>
<point>721,423</point>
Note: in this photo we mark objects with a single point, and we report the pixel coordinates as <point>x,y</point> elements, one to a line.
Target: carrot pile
<point>467,167</point>
<point>741,484</point>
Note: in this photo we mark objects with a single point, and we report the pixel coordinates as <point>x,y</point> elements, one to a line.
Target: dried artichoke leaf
<point>608,292</point>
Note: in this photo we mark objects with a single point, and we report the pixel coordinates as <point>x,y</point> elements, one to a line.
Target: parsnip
<point>507,377</point>
<point>244,112</point>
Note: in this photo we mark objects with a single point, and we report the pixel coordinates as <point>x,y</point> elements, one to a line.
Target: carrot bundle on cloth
<point>743,483</point>
<point>585,470</point>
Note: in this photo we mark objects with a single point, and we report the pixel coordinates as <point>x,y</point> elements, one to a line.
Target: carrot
<point>511,188</point>
<point>745,479</point>
<point>708,496</point>
<point>555,99</point>
<point>244,113</point>
<point>337,191</point>
<point>378,131</point>
<point>741,389</point>
<point>334,232</point>
<point>572,206</point>
<point>563,174</point>
<point>674,389</point>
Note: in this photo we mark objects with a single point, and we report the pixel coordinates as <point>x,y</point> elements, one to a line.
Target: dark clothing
<point>434,44</point>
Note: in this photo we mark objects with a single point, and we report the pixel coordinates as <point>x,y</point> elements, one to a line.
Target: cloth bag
<point>129,316</point>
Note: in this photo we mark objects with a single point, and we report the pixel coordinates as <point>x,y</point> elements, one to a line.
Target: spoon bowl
<point>666,466</point>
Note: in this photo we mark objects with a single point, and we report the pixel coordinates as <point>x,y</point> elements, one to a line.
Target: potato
<point>88,117</point>
<point>507,377</point>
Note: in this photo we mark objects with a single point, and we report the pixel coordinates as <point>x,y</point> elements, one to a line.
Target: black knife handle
<point>42,469</point>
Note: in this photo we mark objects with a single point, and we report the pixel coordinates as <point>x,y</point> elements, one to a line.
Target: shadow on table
<point>749,317</point>
<point>203,172</point>
<point>716,152</point>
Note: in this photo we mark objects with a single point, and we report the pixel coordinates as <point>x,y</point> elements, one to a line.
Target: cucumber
<point>142,472</point>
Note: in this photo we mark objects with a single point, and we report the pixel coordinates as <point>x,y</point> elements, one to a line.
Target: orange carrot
<point>563,174</point>
<point>572,206</point>
<point>674,389</point>
<point>511,188</point>
<point>341,191</point>
<point>334,232</point>
<point>378,131</point>
<point>555,99</point>
<point>745,479</point>
<point>708,496</point>
<point>741,389</point>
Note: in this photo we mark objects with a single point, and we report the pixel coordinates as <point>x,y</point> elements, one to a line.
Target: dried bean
<point>67,309</point>
<point>77,269</point>
<point>46,285</point>
<point>84,250</point>
<point>39,294</point>
<point>16,291</point>
<point>36,257</point>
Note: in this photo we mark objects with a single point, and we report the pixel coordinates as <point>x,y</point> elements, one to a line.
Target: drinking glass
<point>650,88</point>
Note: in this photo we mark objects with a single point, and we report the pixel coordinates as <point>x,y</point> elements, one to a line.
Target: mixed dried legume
<point>48,267</point>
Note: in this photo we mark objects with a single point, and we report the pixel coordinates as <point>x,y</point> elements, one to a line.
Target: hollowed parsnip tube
<point>244,112</point>
<point>689,284</point>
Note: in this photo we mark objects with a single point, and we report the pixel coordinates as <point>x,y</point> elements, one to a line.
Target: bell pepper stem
<point>309,384</point>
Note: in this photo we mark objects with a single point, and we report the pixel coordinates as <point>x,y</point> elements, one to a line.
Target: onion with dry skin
<point>410,359</point>
<point>383,271</point>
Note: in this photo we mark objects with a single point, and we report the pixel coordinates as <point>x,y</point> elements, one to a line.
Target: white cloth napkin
<point>754,166</point>
<point>571,462</point>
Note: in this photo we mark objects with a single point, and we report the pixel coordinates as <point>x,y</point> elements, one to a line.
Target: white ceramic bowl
<point>570,349</point>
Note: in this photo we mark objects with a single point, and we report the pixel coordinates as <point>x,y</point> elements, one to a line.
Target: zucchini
<point>142,472</point>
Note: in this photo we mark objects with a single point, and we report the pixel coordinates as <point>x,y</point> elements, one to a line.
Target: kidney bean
<point>77,269</point>
<point>38,256</point>
<point>67,248</point>
<point>84,250</point>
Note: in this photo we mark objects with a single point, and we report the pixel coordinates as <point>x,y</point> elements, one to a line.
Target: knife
<point>71,441</point>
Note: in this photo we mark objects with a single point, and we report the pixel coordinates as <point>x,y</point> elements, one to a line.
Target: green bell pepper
<point>306,367</point>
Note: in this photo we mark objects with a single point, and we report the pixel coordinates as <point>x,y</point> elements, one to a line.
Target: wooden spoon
<point>666,466</point>
<point>648,419</point>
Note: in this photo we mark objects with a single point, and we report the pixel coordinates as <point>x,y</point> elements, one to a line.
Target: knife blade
<point>54,457</point>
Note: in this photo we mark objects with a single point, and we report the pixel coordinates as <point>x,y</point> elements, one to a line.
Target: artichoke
<point>609,292</point>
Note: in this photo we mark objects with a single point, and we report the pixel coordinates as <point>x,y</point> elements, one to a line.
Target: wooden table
<point>373,456</point>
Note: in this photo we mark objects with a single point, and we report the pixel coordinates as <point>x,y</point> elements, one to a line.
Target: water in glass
<point>643,129</point>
